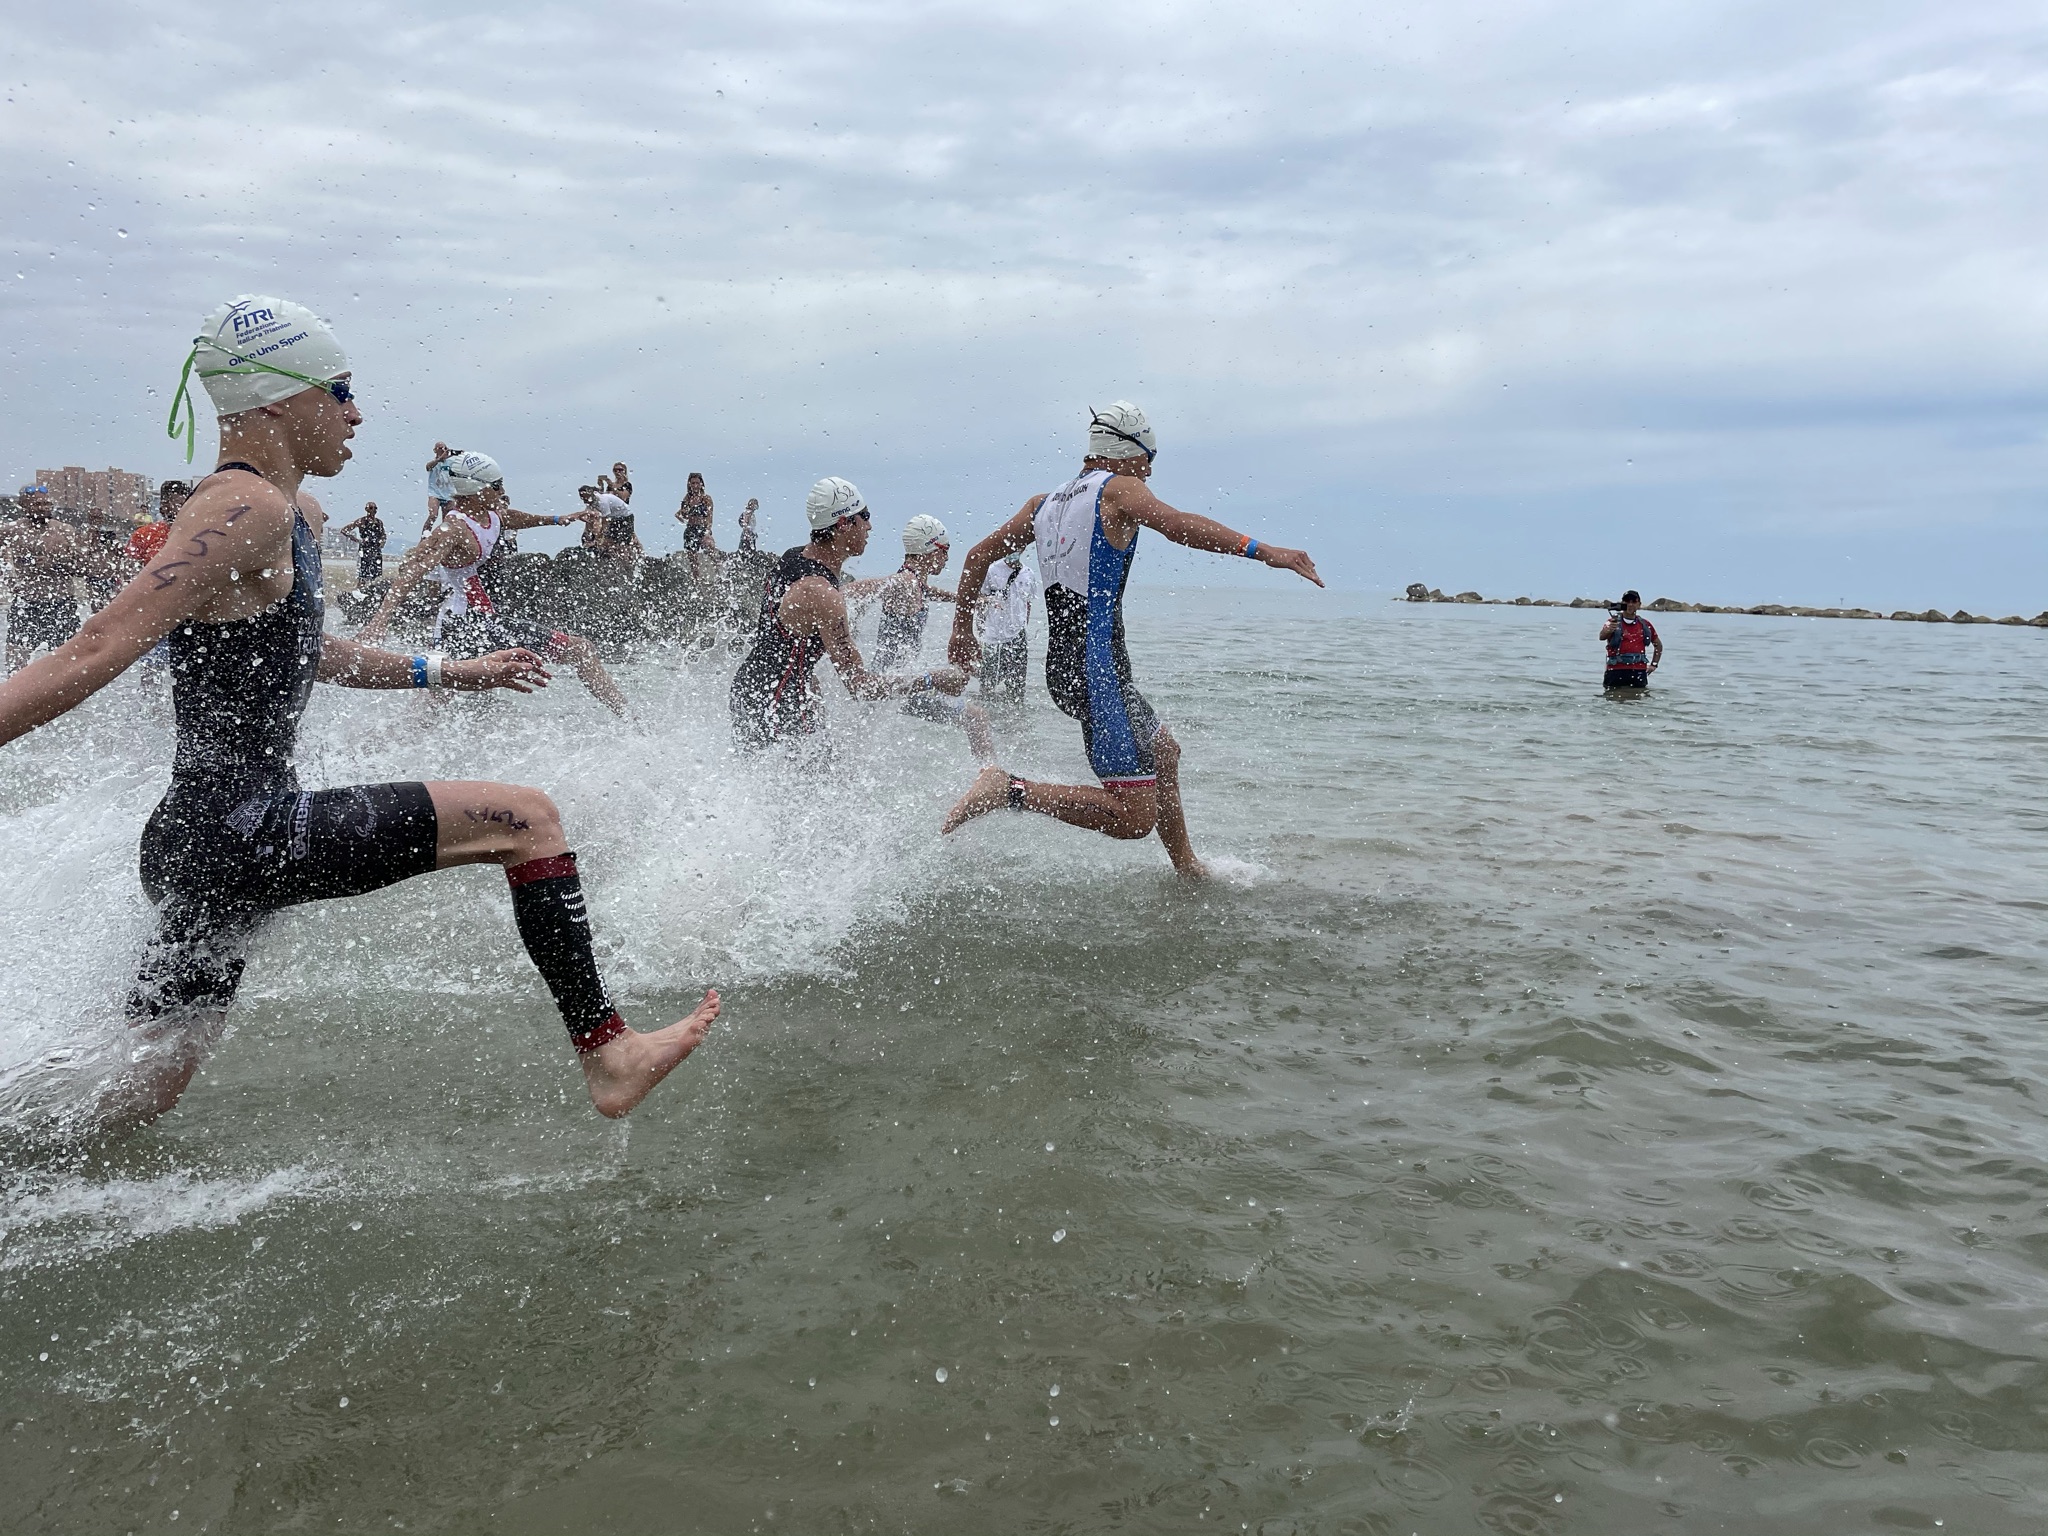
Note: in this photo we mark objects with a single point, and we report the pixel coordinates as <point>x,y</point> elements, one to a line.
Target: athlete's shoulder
<point>235,498</point>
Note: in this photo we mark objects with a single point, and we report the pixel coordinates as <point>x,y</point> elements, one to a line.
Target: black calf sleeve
<point>547,902</point>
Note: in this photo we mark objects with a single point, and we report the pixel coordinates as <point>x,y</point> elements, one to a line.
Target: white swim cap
<point>1120,431</point>
<point>256,351</point>
<point>831,499</point>
<point>464,474</point>
<point>923,534</point>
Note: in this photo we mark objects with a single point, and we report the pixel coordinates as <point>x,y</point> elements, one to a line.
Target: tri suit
<point>1628,653</point>
<point>1087,669</point>
<point>899,636</point>
<point>234,837</point>
<point>774,692</point>
<point>469,623</point>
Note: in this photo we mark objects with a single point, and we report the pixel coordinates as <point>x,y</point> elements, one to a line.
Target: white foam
<point>64,1218</point>
<point>704,865</point>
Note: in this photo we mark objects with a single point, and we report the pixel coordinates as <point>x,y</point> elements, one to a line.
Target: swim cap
<point>464,474</point>
<point>923,534</point>
<point>1120,431</point>
<point>256,351</point>
<point>831,499</point>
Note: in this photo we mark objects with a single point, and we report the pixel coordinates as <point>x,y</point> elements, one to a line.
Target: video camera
<point>1617,607</point>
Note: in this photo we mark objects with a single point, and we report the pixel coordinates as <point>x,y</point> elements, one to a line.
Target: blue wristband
<point>419,671</point>
<point>1251,549</point>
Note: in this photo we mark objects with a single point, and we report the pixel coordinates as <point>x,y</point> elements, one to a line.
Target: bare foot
<point>1192,869</point>
<point>990,791</point>
<point>622,1071</point>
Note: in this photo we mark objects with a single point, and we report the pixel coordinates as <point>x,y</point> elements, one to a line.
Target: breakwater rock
<point>1418,593</point>
<point>622,607</point>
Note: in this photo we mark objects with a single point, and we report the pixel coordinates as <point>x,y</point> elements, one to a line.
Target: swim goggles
<point>183,397</point>
<point>1137,442</point>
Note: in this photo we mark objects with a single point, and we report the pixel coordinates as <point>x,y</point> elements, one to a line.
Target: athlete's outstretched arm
<point>963,650</point>
<point>810,602</point>
<point>515,520</point>
<point>350,664</point>
<point>450,544</point>
<point>1129,499</point>
<point>220,537</point>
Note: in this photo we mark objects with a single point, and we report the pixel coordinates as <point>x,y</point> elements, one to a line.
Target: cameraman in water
<point>1633,649</point>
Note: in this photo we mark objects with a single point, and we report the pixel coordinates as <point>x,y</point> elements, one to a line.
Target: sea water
<point>1559,1115</point>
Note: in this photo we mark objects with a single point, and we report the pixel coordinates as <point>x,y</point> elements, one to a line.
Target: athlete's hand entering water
<point>520,670</point>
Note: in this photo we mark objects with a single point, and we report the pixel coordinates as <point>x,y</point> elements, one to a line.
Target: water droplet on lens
<point>122,233</point>
<point>1054,1421</point>
<point>344,1402</point>
<point>1055,1392</point>
<point>1048,1146</point>
<point>939,1374</point>
<point>1060,1236</point>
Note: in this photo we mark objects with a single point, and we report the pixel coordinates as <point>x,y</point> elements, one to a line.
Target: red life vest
<point>1628,647</point>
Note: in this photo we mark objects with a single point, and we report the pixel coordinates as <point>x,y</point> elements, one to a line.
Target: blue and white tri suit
<point>1087,670</point>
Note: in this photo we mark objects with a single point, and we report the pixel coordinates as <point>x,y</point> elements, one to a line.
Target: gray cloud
<point>1546,298</point>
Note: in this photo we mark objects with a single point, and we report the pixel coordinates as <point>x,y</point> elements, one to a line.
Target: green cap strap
<point>184,397</point>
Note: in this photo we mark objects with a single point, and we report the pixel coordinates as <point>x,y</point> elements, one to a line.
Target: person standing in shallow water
<point>367,533</point>
<point>1633,649</point>
<point>237,591</point>
<point>46,557</point>
<point>1087,534</point>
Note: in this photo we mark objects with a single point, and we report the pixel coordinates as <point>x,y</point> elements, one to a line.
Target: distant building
<point>98,495</point>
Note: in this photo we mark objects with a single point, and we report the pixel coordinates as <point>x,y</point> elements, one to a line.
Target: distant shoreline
<point>1418,593</point>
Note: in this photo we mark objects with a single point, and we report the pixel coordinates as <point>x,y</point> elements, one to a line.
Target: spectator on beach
<point>367,534</point>
<point>45,557</point>
<point>439,495</point>
<point>1633,649</point>
<point>608,529</point>
<point>147,541</point>
<point>750,538</point>
<point>695,516</point>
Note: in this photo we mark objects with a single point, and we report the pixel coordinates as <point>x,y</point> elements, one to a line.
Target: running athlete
<point>367,534</point>
<point>907,597</point>
<point>1633,649</point>
<point>469,623</point>
<point>1087,533</point>
<point>775,692</point>
<point>235,838</point>
<point>46,557</point>
<point>1003,626</point>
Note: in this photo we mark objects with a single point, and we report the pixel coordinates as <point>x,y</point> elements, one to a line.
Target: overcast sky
<point>1735,302</point>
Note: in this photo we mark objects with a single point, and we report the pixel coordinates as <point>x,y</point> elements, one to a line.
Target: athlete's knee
<point>535,819</point>
<point>1137,814</point>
